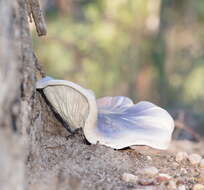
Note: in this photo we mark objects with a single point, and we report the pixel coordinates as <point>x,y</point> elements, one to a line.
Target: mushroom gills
<point>68,101</point>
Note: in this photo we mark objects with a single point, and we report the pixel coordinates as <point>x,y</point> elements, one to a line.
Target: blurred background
<point>144,49</point>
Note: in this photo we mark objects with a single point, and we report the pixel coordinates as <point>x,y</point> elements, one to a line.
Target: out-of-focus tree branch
<point>35,12</point>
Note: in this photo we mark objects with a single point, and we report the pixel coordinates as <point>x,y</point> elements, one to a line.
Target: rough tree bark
<point>17,79</point>
<point>17,93</point>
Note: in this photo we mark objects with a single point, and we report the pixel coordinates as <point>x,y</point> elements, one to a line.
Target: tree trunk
<point>20,113</point>
<point>17,79</point>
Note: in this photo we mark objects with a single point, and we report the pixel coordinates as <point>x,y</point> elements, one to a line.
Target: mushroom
<point>76,105</point>
<point>112,121</point>
<point>121,123</point>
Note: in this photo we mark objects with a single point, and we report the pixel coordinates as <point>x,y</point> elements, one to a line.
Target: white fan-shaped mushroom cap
<point>75,104</point>
<point>112,121</point>
<point>122,123</point>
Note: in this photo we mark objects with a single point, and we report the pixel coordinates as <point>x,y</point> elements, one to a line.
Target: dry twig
<point>35,12</point>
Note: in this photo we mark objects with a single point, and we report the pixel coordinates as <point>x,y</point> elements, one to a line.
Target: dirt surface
<point>60,160</point>
<point>67,161</point>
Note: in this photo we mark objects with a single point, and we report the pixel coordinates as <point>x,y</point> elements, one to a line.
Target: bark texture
<point>16,82</point>
<point>18,96</point>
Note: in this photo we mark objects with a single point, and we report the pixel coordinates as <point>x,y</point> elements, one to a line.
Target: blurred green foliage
<point>144,49</point>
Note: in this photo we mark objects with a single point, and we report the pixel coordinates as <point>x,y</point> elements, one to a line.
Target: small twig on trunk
<point>34,9</point>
